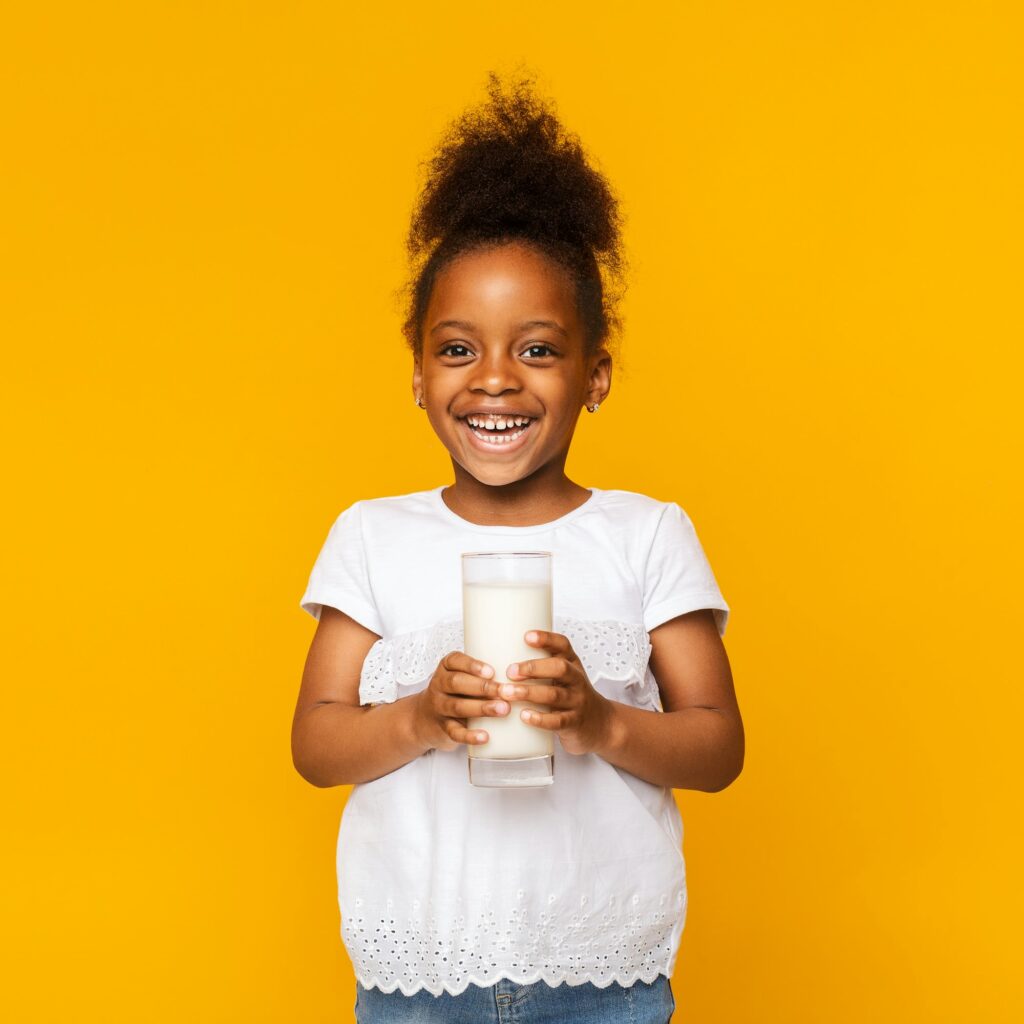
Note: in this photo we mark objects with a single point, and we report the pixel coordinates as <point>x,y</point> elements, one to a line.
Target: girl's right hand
<point>458,690</point>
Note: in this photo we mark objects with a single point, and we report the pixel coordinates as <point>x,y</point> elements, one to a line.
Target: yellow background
<point>204,213</point>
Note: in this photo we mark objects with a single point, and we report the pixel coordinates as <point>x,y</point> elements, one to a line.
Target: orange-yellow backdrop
<point>204,217</point>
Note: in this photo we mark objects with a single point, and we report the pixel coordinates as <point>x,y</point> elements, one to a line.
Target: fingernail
<point>513,670</point>
<point>501,707</point>
<point>508,690</point>
<point>528,716</point>
<point>532,636</point>
<point>486,671</point>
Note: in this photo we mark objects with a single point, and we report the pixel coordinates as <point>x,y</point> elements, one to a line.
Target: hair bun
<point>508,168</point>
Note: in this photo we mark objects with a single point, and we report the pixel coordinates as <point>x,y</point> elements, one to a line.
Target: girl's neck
<point>535,500</point>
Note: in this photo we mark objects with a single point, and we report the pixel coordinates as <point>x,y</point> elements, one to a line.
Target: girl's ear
<point>417,379</point>
<point>600,380</point>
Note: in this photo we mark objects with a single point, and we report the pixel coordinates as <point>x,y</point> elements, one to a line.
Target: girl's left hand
<point>579,714</point>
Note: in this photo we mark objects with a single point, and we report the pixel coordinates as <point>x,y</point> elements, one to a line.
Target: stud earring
<point>419,401</point>
<point>594,407</point>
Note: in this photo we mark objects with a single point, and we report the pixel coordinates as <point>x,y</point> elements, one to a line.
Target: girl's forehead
<point>508,280</point>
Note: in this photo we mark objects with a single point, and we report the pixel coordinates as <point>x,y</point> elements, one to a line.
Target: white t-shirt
<point>442,883</point>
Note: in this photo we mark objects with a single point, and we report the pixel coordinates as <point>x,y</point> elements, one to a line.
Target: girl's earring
<point>419,401</point>
<point>594,407</point>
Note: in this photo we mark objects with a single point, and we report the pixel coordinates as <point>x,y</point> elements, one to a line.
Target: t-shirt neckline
<point>518,531</point>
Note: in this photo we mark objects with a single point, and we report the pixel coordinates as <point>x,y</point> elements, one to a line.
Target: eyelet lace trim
<point>624,941</point>
<point>609,649</point>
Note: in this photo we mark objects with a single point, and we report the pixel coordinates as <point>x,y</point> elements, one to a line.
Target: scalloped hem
<point>553,979</point>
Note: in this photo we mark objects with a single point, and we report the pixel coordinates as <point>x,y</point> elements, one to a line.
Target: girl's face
<point>502,335</point>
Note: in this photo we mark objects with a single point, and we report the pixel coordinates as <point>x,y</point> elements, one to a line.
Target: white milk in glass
<point>496,615</point>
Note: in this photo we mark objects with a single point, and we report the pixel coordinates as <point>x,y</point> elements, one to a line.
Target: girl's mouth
<point>495,441</point>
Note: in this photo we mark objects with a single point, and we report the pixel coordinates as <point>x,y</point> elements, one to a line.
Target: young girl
<point>554,904</point>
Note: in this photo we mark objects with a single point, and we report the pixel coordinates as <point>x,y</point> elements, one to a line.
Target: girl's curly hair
<point>508,171</point>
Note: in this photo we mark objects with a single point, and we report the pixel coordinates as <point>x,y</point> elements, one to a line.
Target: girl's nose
<point>495,374</point>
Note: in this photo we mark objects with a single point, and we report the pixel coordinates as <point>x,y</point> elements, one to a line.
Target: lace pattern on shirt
<point>609,650</point>
<point>625,941</point>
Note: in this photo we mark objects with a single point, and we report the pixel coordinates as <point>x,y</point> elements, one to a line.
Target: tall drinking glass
<point>504,595</point>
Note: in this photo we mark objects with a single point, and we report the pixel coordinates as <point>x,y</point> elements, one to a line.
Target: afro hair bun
<point>508,171</point>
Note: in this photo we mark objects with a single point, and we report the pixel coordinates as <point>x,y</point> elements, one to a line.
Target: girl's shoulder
<point>634,505</point>
<point>633,499</point>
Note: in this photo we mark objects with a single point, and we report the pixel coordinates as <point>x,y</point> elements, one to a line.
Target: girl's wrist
<point>414,723</point>
<point>613,732</point>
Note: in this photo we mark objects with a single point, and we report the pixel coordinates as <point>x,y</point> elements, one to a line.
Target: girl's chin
<point>491,475</point>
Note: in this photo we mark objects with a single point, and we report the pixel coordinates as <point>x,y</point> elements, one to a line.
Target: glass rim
<point>506,554</point>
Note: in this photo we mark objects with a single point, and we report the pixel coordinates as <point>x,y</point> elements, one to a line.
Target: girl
<point>548,904</point>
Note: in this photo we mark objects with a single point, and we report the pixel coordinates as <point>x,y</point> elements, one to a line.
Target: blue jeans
<point>507,1002</point>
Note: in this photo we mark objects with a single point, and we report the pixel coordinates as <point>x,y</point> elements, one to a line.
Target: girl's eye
<point>548,350</point>
<point>447,350</point>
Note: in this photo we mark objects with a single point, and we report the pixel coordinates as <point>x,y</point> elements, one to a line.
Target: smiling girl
<point>552,904</point>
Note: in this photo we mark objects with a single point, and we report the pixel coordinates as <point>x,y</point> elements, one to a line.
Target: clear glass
<point>504,595</point>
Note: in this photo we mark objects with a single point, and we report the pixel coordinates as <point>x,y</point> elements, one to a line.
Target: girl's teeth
<point>499,423</point>
<point>498,438</point>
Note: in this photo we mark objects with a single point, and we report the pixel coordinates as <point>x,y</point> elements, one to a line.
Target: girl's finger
<point>470,686</point>
<point>542,668</point>
<point>457,731</point>
<point>548,695</point>
<point>552,720</point>
<point>459,661</point>
<point>555,643</point>
<point>458,708</point>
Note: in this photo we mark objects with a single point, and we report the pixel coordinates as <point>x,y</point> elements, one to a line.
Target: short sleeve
<point>678,577</point>
<point>340,577</point>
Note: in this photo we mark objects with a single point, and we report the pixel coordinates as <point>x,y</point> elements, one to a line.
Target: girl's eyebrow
<point>465,325</point>
<point>526,325</point>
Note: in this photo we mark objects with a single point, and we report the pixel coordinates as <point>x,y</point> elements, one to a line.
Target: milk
<point>495,617</point>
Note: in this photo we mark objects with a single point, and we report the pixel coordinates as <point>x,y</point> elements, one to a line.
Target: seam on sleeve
<point>366,566</point>
<point>650,549</point>
<point>682,603</point>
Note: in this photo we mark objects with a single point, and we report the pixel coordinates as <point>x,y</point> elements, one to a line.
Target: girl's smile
<point>504,374</point>
<point>499,433</point>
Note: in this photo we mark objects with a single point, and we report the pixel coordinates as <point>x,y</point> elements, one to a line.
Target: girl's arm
<point>338,742</point>
<point>695,743</point>
<point>698,742</point>
<point>335,740</point>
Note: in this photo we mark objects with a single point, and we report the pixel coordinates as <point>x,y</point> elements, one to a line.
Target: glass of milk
<point>504,595</point>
